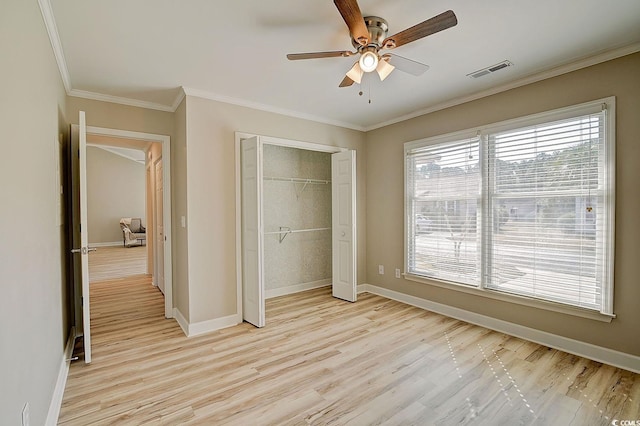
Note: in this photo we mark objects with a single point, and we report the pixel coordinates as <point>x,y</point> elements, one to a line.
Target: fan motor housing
<point>378,28</point>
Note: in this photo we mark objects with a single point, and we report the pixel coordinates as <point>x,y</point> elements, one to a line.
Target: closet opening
<point>297,219</point>
<point>296,228</point>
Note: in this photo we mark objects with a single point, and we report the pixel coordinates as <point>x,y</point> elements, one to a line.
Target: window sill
<point>512,298</point>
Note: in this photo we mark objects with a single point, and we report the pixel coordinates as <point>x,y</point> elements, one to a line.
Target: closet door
<point>343,194</point>
<point>253,310</point>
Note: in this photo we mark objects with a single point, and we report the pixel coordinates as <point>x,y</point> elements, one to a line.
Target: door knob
<point>83,250</point>
<point>343,234</point>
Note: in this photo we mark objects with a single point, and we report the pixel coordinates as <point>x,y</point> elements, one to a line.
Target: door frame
<point>268,140</point>
<point>166,199</point>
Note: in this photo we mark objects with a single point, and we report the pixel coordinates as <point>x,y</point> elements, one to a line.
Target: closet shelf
<point>285,230</point>
<point>299,180</point>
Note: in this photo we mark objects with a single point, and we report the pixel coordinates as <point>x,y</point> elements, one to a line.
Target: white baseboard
<point>182,321</point>
<point>572,346</point>
<point>58,392</point>
<point>195,329</point>
<point>296,288</point>
<point>107,244</point>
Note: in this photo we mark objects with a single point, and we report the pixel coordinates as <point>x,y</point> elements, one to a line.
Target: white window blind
<point>526,207</point>
<point>546,199</point>
<point>444,192</point>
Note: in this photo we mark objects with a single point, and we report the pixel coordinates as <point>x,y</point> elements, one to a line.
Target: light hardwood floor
<point>322,361</point>
<point>117,262</point>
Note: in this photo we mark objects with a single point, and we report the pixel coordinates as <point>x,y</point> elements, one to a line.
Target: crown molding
<point>118,152</point>
<point>268,108</point>
<point>119,100</point>
<point>533,78</point>
<point>52,30</point>
<point>178,100</point>
<point>56,44</point>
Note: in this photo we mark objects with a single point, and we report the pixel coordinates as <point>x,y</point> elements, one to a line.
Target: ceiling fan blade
<point>317,55</point>
<point>346,82</point>
<point>352,16</point>
<point>430,26</point>
<point>406,65</point>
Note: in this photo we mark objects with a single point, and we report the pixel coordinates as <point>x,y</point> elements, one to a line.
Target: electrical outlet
<point>381,269</point>
<point>397,272</point>
<point>26,415</point>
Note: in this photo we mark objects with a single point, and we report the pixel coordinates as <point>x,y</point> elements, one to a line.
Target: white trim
<point>58,392</point>
<point>167,215</point>
<point>198,328</point>
<point>533,78</point>
<point>85,94</point>
<point>610,199</point>
<point>290,143</point>
<point>107,244</point>
<point>587,350</point>
<point>208,326</point>
<point>269,108</point>
<point>513,298</point>
<point>181,320</point>
<point>178,100</point>
<point>56,44</point>
<point>238,177</point>
<point>296,288</point>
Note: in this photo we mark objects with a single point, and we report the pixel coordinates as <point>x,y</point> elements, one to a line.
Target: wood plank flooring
<point>323,361</point>
<point>117,262</point>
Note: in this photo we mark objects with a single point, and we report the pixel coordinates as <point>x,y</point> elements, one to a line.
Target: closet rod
<point>285,230</point>
<point>298,180</point>
<point>295,231</point>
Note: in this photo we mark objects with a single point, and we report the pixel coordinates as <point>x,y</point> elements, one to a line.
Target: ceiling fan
<point>369,37</point>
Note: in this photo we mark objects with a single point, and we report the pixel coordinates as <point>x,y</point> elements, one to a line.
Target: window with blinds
<point>525,207</point>
<point>444,196</point>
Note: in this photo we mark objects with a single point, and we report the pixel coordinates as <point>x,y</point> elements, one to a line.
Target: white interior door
<point>343,194</point>
<point>253,307</point>
<point>159,226</point>
<point>80,234</point>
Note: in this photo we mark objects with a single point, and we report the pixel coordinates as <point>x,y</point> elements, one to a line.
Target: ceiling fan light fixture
<point>368,61</point>
<point>355,73</point>
<point>384,69</point>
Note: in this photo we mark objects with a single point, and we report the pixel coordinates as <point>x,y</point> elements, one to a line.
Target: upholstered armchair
<point>133,233</point>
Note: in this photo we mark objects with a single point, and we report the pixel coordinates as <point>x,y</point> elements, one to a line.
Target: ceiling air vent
<point>490,69</point>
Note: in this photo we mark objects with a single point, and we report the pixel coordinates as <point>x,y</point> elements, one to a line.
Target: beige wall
<point>211,195</point>
<point>115,189</point>
<point>34,323</point>
<point>620,78</point>
<point>120,117</point>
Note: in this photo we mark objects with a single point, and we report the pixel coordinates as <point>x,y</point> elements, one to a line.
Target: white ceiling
<point>143,51</point>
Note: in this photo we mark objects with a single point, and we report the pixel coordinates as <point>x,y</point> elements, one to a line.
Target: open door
<point>80,235</point>
<point>159,240</point>
<point>343,194</point>
<point>253,306</point>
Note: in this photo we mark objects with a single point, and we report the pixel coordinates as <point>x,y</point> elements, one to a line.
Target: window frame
<point>483,132</point>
